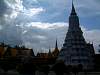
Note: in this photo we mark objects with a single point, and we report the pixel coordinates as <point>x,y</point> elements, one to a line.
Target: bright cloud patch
<point>46,25</point>
<point>43,35</point>
<point>33,11</point>
<point>14,6</point>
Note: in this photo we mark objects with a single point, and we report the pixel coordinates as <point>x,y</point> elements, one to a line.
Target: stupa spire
<point>56,46</point>
<point>75,50</point>
<point>73,12</point>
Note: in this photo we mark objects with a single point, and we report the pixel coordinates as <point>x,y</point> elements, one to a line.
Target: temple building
<point>75,49</point>
<point>50,54</point>
<point>2,49</point>
<point>6,51</point>
<point>23,55</point>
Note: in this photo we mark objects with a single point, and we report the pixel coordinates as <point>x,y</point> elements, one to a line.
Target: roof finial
<point>72,2</point>
<point>49,48</point>
<point>73,12</point>
<point>56,44</point>
<point>92,42</point>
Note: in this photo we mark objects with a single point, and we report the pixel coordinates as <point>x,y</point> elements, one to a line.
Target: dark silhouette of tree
<point>68,69</point>
<point>26,69</point>
<point>20,68</point>
<point>59,68</point>
<point>80,67</point>
<point>75,70</point>
<point>8,64</point>
<point>44,68</point>
<point>85,72</point>
<point>5,65</point>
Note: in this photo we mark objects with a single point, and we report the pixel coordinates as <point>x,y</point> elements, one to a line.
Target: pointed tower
<point>56,46</point>
<point>75,49</point>
<point>73,12</point>
<point>49,53</point>
<point>56,50</point>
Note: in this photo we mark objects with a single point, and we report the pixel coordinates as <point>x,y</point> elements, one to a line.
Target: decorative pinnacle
<point>73,12</point>
<point>56,44</point>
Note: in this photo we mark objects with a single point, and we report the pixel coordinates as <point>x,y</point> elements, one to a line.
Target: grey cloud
<point>49,35</point>
<point>9,33</point>
<point>3,7</point>
<point>30,3</point>
<point>16,30</point>
<point>39,38</point>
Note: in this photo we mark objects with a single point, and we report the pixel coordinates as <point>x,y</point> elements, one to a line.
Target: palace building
<point>24,54</point>
<point>75,49</point>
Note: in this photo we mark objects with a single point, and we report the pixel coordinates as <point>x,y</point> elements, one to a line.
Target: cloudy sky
<point>37,23</point>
